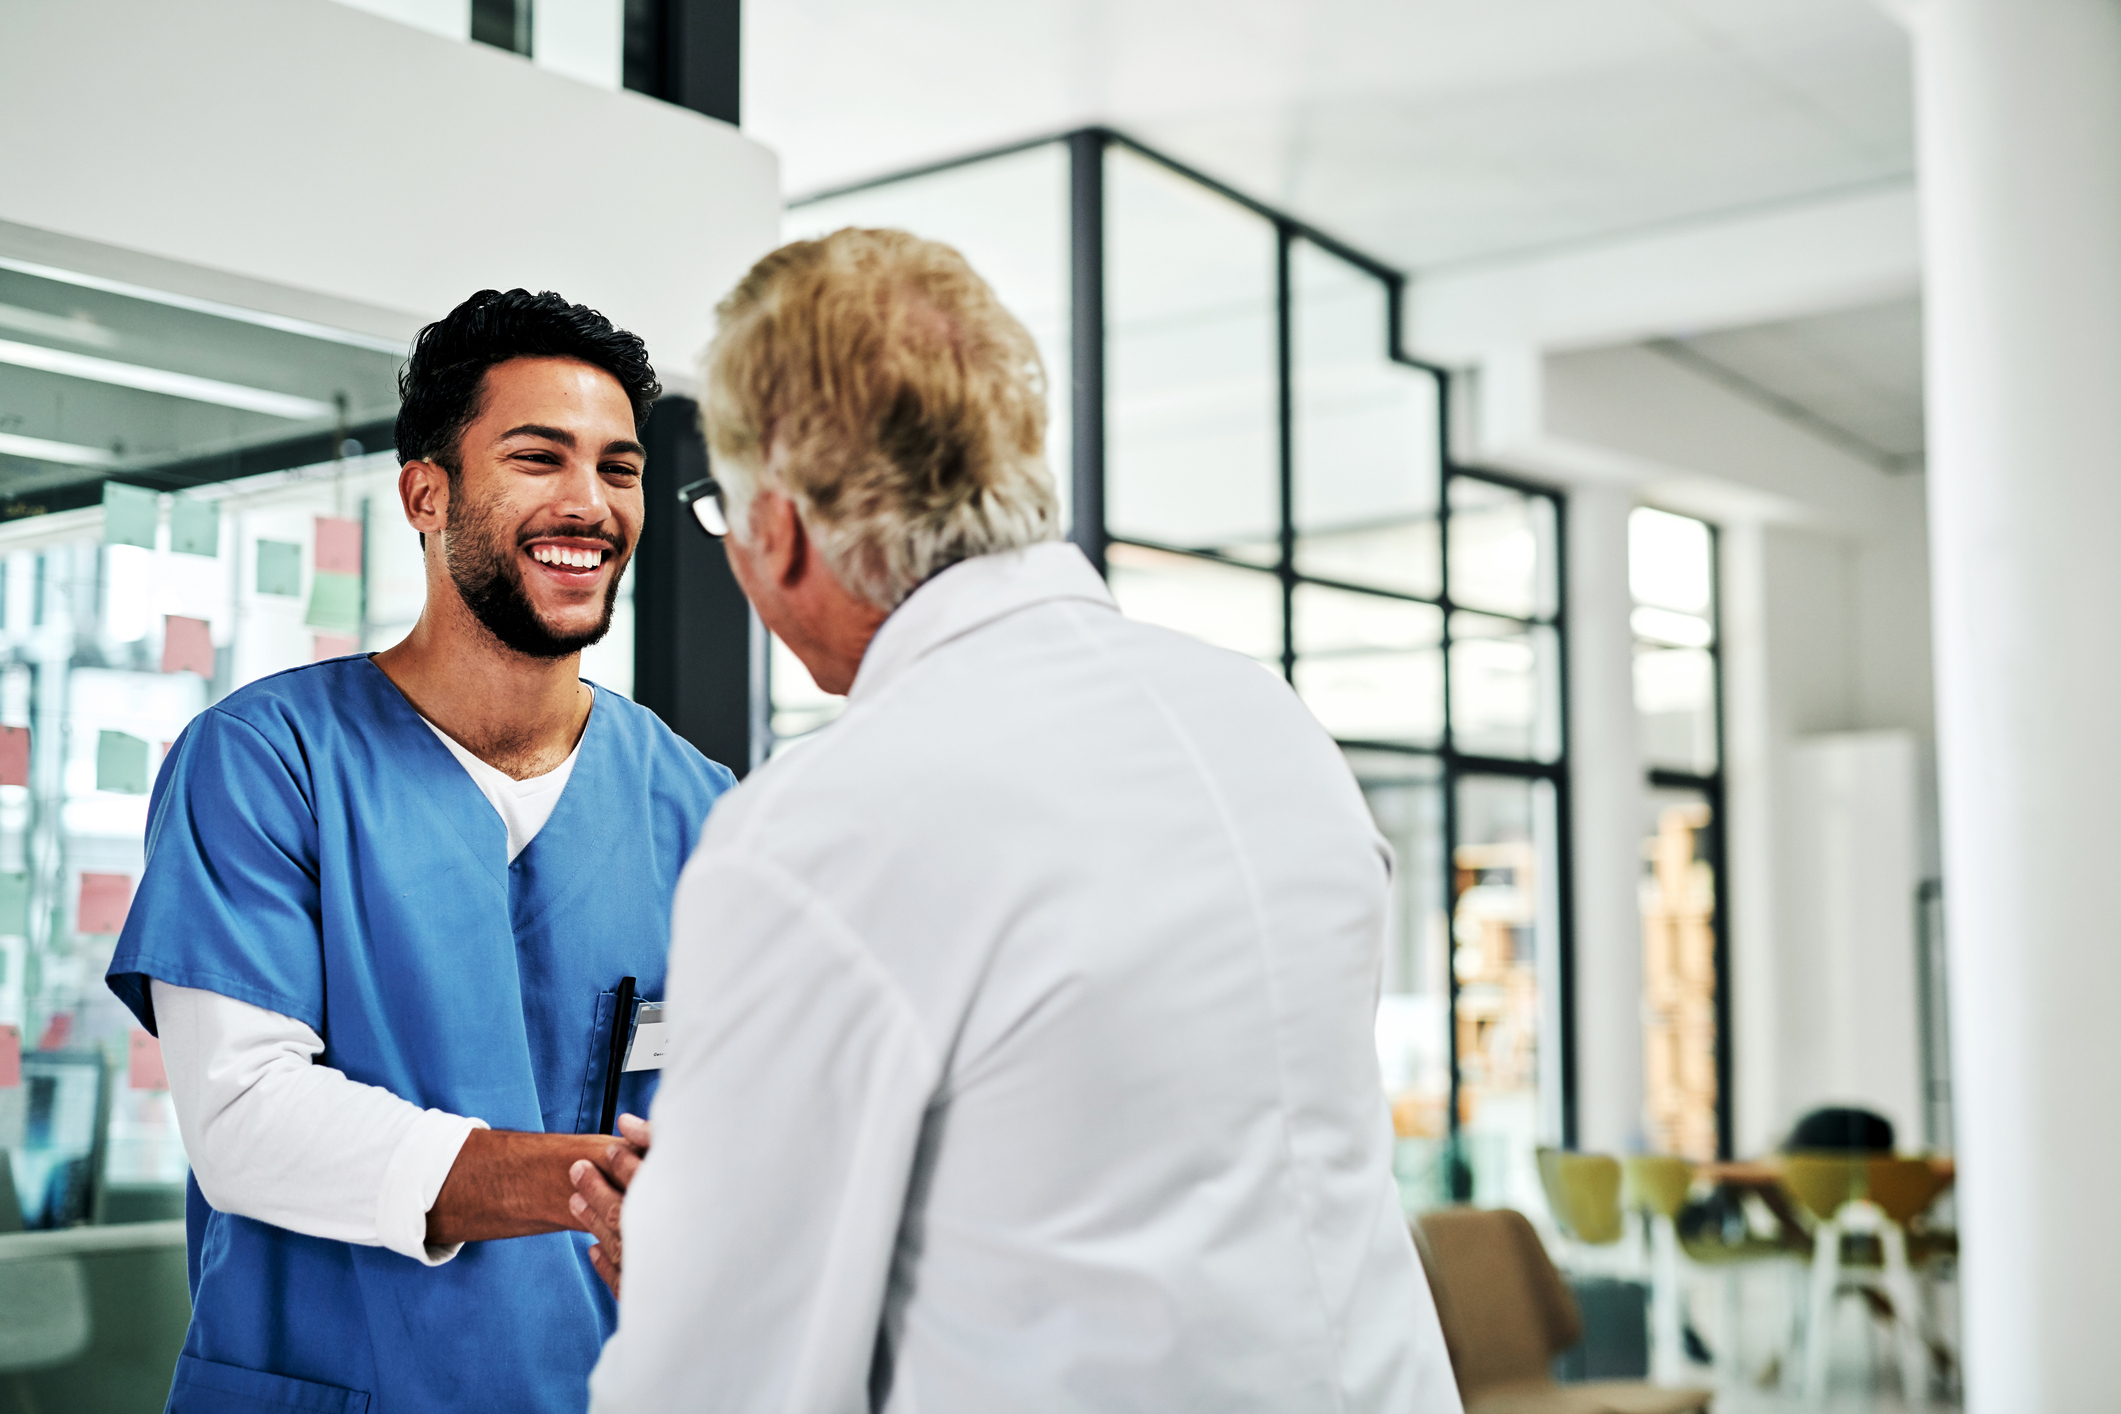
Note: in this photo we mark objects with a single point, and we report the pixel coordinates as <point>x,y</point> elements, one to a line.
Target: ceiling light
<point>37,449</point>
<point>262,320</point>
<point>161,380</point>
<point>80,329</point>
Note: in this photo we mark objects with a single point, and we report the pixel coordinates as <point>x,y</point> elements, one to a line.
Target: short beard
<point>491,584</point>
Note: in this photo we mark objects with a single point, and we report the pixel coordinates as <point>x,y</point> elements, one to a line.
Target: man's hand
<point>600,1192</point>
<point>510,1184</point>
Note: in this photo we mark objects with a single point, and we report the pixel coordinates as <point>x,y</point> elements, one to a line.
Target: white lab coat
<point>1023,1051</point>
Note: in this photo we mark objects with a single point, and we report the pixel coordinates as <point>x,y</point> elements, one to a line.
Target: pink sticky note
<point>104,901</point>
<point>187,647</point>
<point>14,756</point>
<point>10,1057</point>
<point>332,645</point>
<point>144,1070</point>
<point>57,1032</point>
<point>338,546</point>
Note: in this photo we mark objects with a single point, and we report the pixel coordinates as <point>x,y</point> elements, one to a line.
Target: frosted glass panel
<point>1192,455</point>
<point>1405,794</point>
<point>1505,688</point>
<point>1366,436</point>
<point>1502,550</point>
<point>1230,607</point>
<point>1505,936</point>
<point>1369,666</point>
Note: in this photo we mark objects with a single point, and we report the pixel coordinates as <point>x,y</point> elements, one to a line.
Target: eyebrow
<point>567,439</point>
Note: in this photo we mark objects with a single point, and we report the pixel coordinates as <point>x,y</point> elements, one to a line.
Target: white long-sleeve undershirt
<point>272,1135</point>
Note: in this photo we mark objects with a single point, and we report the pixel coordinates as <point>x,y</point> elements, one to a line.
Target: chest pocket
<point>636,1089</point>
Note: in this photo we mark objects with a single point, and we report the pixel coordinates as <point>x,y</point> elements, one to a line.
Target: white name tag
<point>651,1038</point>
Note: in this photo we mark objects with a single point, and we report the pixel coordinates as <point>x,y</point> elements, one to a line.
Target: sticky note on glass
<point>333,645</point>
<point>279,567</point>
<point>10,1057</point>
<point>104,901</point>
<point>338,546</point>
<point>334,602</point>
<point>194,526</point>
<point>14,756</point>
<point>130,515</point>
<point>144,1068</point>
<point>121,763</point>
<point>14,905</point>
<point>187,647</point>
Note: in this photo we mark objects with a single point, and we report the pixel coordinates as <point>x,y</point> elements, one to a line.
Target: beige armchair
<point>1507,1313</point>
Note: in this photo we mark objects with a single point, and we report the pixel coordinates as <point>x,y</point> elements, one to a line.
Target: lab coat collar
<point>971,594</point>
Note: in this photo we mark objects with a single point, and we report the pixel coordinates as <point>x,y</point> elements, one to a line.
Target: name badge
<point>651,1038</point>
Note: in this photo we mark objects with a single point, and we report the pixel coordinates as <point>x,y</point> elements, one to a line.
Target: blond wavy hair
<point>873,379</point>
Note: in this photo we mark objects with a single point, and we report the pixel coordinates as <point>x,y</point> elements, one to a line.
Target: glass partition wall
<point>1251,459</point>
<point>1678,705</point>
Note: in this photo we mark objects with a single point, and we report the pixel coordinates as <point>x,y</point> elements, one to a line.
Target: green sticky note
<point>279,567</point>
<point>130,515</point>
<point>14,905</point>
<point>121,763</point>
<point>335,602</point>
<point>194,526</point>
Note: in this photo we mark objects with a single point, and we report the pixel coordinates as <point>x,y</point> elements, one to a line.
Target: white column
<point>1750,808</point>
<point>1606,781</point>
<point>2020,145</point>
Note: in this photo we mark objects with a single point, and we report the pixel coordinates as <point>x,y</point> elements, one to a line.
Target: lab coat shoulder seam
<point>845,939</point>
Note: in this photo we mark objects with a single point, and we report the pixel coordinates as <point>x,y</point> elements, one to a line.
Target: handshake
<point>600,1191</point>
<point>512,1184</point>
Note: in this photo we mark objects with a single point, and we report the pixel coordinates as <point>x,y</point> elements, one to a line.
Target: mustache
<point>618,543</point>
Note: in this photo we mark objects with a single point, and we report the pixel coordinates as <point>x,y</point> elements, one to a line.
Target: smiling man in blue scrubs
<point>388,906</point>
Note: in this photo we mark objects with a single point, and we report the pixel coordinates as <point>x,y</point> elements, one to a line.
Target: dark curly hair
<point>438,388</point>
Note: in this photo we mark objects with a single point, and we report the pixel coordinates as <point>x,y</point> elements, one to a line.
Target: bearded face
<point>485,562</point>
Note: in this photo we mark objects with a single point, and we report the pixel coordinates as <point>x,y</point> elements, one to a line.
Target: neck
<point>519,714</point>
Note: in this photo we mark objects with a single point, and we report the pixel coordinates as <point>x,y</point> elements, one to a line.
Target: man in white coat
<point>1021,1051</point>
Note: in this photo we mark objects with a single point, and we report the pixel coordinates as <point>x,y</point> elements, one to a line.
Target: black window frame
<point>1088,355</point>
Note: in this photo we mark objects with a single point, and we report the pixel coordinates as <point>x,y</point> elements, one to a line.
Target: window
<point>1273,481</point>
<point>1686,1021</point>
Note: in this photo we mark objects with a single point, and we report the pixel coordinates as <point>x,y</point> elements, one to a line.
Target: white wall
<point>1607,803</point>
<point>1845,964</point>
<point>303,156</point>
<point>1825,636</point>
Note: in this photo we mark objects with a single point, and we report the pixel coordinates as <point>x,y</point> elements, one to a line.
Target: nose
<point>583,496</point>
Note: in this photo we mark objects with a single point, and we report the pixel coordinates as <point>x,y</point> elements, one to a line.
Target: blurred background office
<point>1669,443</point>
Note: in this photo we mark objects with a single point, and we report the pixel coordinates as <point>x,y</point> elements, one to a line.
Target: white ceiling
<point>1430,133</point>
<point>1853,377</point>
<point>1427,132</point>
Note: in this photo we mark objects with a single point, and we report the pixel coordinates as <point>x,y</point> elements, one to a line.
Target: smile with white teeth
<point>563,556</point>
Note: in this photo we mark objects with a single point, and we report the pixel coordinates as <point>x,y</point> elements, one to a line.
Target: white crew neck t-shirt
<point>524,806</point>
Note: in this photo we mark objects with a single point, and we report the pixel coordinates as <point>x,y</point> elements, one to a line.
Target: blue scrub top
<point>313,849</point>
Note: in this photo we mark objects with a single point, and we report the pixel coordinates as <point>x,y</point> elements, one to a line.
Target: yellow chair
<point>1583,1191</point>
<point>1863,1207</point>
<point>1656,1186</point>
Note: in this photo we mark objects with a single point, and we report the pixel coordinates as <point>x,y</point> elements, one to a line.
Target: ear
<point>777,538</point>
<point>423,490</point>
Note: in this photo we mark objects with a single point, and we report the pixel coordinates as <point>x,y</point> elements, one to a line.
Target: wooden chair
<point>1863,1207</point>
<point>1506,1314</point>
